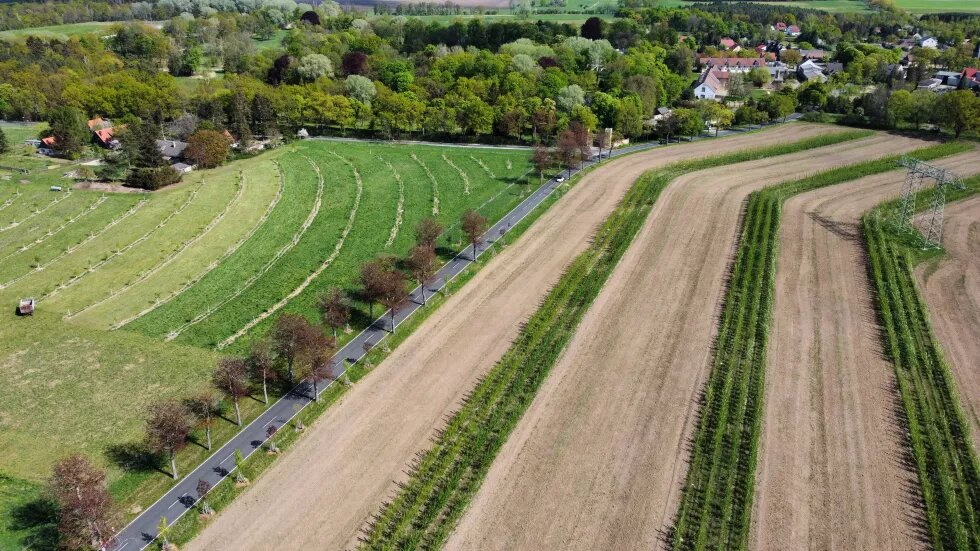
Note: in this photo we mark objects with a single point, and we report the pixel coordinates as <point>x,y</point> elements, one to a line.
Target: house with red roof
<point>727,43</point>
<point>970,78</point>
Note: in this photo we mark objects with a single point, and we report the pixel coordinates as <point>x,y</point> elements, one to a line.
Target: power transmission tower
<point>917,170</point>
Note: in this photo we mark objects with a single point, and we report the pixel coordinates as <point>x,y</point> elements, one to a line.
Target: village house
<point>729,44</point>
<point>712,85</point>
<point>732,64</point>
<point>810,70</point>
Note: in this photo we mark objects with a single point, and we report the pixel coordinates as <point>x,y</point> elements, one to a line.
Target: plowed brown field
<point>320,494</point>
<point>830,472</point>
<point>598,460</point>
<point>951,290</point>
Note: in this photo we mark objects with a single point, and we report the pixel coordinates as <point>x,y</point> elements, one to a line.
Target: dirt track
<point>951,290</point>
<point>830,472</point>
<point>598,460</point>
<point>322,491</point>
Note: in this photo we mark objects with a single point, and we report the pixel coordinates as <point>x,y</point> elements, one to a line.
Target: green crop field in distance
<point>58,31</point>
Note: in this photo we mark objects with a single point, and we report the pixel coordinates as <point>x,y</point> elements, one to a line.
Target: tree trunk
<point>371,309</point>
<point>392,321</point>
<point>265,391</point>
<point>474,243</point>
<point>173,464</point>
<point>207,431</point>
<point>422,287</point>
<point>316,398</point>
<point>238,413</point>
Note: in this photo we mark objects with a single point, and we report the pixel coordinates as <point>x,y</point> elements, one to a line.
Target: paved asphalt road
<point>182,497</point>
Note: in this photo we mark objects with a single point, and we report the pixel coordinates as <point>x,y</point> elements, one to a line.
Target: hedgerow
<point>443,481</point>
<point>716,501</point>
<point>945,460</point>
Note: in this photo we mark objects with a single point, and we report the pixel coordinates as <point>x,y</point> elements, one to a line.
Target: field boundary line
<point>51,233</point>
<point>316,273</point>
<point>91,269</point>
<point>213,265</point>
<point>172,256</point>
<point>140,204</point>
<point>314,212</point>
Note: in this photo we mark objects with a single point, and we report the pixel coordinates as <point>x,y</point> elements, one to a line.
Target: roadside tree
<point>87,516</point>
<point>422,263</point>
<point>474,225</point>
<point>231,378</point>
<point>335,308</point>
<point>167,427</point>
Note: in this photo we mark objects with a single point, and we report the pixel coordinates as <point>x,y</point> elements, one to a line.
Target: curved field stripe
<point>400,211</point>
<point>51,233</point>
<point>81,243</point>
<point>16,223</point>
<point>169,258</point>
<point>95,267</point>
<point>326,263</point>
<point>466,179</point>
<point>255,277</point>
<point>231,250</point>
<point>485,167</point>
<point>10,201</point>
<point>435,184</point>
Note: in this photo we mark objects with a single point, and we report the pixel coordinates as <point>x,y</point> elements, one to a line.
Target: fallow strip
<point>170,257</point>
<point>400,210</point>
<point>484,167</point>
<point>443,481</point>
<point>76,246</point>
<point>95,267</point>
<point>716,502</point>
<point>268,266</point>
<point>50,204</point>
<point>435,184</point>
<point>51,233</point>
<point>210,267</point>
<point>316,273</point>
<point>462,175</point>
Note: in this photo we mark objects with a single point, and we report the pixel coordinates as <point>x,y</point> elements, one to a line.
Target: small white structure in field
<point>26,307</point>
<point>302,134</point>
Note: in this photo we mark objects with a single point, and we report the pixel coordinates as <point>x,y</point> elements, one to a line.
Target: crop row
<point>945,460</point>
<point>69,250</point>
<point>316,273</point>
<point>462,175</point>
<point>370,232</point>
<point>400,210</point>
<point>248,283</point>
<point>215,263</point>
<point>443,481</point>
<point>432,179</point>
<point>37,212</point>
<point>55,231</point>
<point>716,501</point>
<point>74,279</point>
<point>167,260</point>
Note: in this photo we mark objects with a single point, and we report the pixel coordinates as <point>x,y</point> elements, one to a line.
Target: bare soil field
<point>598,460</point>
<point>322,492</point>
<point>951,289</point>
<point>831,473</point>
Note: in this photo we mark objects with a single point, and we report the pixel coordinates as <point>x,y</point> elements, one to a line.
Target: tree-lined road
<point>183,496</point>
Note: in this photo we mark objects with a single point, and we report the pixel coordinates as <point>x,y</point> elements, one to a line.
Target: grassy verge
<point>946,464</point>
<point>447,476</point>
<point>716,502</point>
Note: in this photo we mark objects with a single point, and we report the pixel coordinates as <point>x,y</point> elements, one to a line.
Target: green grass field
<point>58,31</point>
<point>136,291</point>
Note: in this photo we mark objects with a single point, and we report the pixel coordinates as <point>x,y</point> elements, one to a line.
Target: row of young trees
<point>296,349</point>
